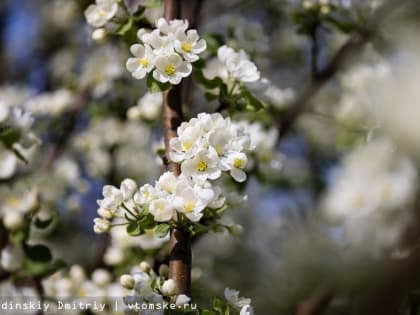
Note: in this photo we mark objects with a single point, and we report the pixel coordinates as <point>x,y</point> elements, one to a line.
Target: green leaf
<point>41,269</point>
<point>18,236</point>
<point>207,312</point>
<point>218,304</point>
<point>147,222</point>
<point>10,136</point>
<point>210,96</point>
<point>134,229</point>
<point>162,230</point>
<point>345,27</point>
<point>199,64</point>
<point>125,27</point>
<point>214,41</point>
<point>252,103</point>
<point>152,3</point>
<point>156,86</point>
<point>38,253</point>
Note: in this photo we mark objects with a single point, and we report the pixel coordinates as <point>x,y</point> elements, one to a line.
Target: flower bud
<point>169,288</point>
<point>77,273</point>
<point>106,214</point>
<point>13,220</point>
<point>144,266</point>
<point>101,277</point>
<point>236,229</point>
<point>99,35</point>
<point>127,282</point>
<point>101,226</point>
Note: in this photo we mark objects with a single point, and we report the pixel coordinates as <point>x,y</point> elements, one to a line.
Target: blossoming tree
<point>165,108</point>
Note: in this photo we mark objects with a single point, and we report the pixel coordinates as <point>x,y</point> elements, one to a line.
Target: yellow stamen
<point>189,206</point>
<point>201,166</point>
<point>170,69</point>
<point>187,47</point>
<point>186,145</point>
<point>143,62</point>
<point>238,163</point>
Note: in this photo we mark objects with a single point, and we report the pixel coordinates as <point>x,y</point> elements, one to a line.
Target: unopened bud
<point>106,214</point>
<point>77,273</point>
<point>99,35</point>
<point>144,266</point>
<point>169,288</point>
<point>101,226</point>
<point>127,281</point>
<point>236,229</point>
<point>13,220</point>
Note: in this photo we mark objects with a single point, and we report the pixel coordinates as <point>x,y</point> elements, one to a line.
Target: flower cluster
<point>205,147</point>
<point>146,287</point>
<point>76,285</point>
<point>168,51</point>
<point>241,304</point>
<point>161,201</point>
<point>375,184</point>
<point>210,144</point>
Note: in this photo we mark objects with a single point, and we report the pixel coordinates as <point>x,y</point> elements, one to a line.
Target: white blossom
<point>101,12</point>
<point>143,61</point>
<point>171,68</point>
<point>189,45</point>
<point>238,65</point>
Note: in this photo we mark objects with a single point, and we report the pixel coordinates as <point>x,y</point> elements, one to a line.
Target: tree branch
<point>180,245</point>
<point>350,49</point>
<point>352,46</point>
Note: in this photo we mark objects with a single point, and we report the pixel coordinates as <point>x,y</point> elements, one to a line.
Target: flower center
<point>186,145</point>
<point>143,62</point>
<point>187,47</point>
<point>201,166</point>
<point>170,69</point>
<point>189,206</point>
<point>238,163</point>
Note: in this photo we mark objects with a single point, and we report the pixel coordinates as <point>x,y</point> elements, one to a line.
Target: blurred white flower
<point>101,12</point>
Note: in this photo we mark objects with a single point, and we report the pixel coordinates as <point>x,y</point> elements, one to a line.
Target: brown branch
<point>351,48</point>
<point>180,246</point>
<point>315,304</point>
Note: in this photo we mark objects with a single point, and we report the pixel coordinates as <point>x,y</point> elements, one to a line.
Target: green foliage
<point>214,41</point>
<point>152,3</point>
<point>125,27</point>
<point>162,230</point>
<point>156,86</point>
